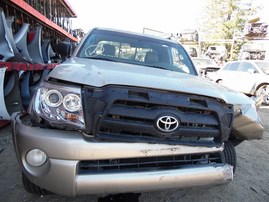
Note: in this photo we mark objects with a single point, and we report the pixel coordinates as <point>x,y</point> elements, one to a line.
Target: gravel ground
<point>251,180</point>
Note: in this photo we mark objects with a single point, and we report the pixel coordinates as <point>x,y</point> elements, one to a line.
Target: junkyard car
<point>128,113</point>
<point>217,52</point>
<point>247,76</point>
<point>205,65</point>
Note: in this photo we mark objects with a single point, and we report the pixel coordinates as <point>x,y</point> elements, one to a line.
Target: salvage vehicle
<point>253,51</point>
<point>250,77</point>
<point>217,52</point>
<point>205,65</point>
<point>125,113</point>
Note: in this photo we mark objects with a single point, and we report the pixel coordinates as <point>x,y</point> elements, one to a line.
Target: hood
<point>100,73</point>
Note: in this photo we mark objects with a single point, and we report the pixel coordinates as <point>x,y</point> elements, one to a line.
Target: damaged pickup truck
<point>128,113</point>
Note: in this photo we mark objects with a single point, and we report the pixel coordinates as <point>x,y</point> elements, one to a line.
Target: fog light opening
<point>36,157</point>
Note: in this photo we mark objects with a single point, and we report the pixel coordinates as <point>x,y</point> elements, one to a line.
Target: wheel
<point>264,92</point>
<point>32,188</point>
<point>229,154</point>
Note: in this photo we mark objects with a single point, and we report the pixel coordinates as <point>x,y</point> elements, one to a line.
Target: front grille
<point>146,163</point>
<point>130,114</point>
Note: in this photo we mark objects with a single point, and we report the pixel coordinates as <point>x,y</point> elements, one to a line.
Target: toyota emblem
<point>167,123</point>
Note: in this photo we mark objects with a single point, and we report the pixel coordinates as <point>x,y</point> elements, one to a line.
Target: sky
<point>168,16</point>
<point>163,15</point>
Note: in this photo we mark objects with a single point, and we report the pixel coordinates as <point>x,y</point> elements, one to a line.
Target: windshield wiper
<point>101,58</point>
<point>158,67</point>
<point>173,69</point>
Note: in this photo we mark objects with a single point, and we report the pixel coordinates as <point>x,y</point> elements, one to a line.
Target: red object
<point>30,10</point>
<point>70,8</point>
<point>4,123</point>
<point>30,37</point>
<point>26,66</point>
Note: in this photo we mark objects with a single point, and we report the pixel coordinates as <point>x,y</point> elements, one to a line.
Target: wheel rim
<point>264,92</point>
<point>266,98</point>
<point>266,95</point>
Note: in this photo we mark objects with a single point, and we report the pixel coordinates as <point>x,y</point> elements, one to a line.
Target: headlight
<point>59,105</point>
<point>53,98</point>
<point>72,102</point>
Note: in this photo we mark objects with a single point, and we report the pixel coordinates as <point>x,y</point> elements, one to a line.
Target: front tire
<point>32,188</point>
<point>229,154</point>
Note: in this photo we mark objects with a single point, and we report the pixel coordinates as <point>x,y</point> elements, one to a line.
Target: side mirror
<point>64,49</point>
<point>252,71</point>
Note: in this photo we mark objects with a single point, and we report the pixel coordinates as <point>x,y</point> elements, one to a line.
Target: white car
<point>250,77</point>
<point>205,65</point>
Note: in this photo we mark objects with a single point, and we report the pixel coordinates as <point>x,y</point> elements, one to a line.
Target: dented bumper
<point>155,180</point>
<point>65,150</point>
<point>247,123</point>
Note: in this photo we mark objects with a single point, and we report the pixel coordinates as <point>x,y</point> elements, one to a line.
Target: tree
<point>224,19</point>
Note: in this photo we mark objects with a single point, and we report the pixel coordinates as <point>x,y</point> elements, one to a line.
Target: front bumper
<point>65,149</point>
<point>247,124</point>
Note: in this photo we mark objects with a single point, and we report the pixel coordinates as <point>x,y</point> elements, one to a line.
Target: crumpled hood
<point>100,73</point>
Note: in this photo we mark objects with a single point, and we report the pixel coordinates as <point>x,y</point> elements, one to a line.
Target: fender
<point>34,48</point>
<point>6,46</point>
<point>21,42</point>
<point>4,115</point>
<point>28,87</point>
<point>10,97</point>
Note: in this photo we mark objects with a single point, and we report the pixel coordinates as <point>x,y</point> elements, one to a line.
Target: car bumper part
<point>154,180</point>
<point>247,124</point>
<point>65,149</point>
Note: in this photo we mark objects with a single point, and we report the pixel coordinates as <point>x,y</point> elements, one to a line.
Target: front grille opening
<point>197,102</point>
<point>196,111</point>
<point>176,136</point>
<point>126,133</point>
<point>130,115</point>
<point>135,94</point>
<point>128,118</point>
<point>145,105</point>
<point>197,125</point>
<point>146,163</point>
<point>200,106</point>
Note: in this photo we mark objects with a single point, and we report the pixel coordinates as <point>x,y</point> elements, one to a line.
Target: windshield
<point>264,65</point>
<point>136,49</point>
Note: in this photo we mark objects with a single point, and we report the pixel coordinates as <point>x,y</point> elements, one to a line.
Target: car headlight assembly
<point>53,98</point>
<point>59,105</point>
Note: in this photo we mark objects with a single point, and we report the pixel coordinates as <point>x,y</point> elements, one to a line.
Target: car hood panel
<point>100,73</point>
